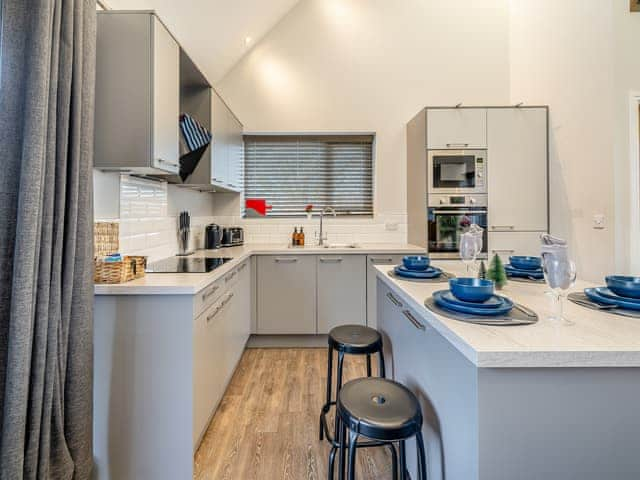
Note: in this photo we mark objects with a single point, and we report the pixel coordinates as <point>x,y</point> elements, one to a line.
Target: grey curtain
<point>47,68</point>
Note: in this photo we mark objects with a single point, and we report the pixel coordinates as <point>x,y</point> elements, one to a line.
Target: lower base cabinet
<point>444,381</point>
<point>286,295</point>
<point>372,261</point>
<point>342,291</point>
<point>506,244</point>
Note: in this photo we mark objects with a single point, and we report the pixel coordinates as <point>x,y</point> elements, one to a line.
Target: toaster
<point>232,236</point>
<point>212,236</point>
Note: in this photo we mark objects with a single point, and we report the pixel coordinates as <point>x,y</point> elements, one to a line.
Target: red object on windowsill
<point>259,205</point>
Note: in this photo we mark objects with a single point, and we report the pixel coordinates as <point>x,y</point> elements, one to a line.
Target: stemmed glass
<point>468,249</point>
<point>560,275</point>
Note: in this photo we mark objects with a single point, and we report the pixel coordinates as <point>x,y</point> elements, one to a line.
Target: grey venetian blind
<point>293,171</point>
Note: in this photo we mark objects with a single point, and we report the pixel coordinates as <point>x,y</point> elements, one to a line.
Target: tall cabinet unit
<point>517,179</point>
<point>137,94</point>
<point>516,143</point>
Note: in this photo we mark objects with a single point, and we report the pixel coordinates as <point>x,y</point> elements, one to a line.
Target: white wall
<point>581,58</point>
<point>349,65</point>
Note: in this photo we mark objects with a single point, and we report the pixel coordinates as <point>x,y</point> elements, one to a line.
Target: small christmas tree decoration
<point>482,270</point>
<point>496,272</point>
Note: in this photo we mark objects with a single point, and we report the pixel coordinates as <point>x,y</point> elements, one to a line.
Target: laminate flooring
<point>266,426</point>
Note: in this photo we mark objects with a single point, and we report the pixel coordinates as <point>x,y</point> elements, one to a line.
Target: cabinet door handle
<point>227,300</point>
<point>286,260</point>
<point>504,250</point>
<point>229,277</point>
<point>413,320</point>
<point>457,144</point>
<point>394,300</point>
<point>331,260</point>
<point>210,292</point>
<point>215,312</point>
<point>502,227</point>
<point>381,260</point>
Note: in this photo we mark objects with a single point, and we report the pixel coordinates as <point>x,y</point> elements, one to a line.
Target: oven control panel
<point>480,172</point>
<point>457,201</point>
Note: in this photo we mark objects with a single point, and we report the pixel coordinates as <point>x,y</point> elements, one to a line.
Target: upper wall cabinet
<point>456,128</point>
<point>517,169</point>
<point>137,94</point>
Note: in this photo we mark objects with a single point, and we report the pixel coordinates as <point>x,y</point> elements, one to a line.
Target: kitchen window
<point>292,171</point>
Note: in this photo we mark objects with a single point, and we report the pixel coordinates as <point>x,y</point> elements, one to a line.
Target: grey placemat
<point>580,298</point>
<point>442,278</point>
<point>525,280</point>
<point>514,317</point>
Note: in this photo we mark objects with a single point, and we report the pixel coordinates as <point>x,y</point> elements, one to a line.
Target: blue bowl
<point>416,262</point>
<point>471,289</point>
<point>525,263</point>
<point>624,286</point>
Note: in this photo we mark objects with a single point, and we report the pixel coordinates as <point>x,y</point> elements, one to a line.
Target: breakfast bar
<point>548,400</point>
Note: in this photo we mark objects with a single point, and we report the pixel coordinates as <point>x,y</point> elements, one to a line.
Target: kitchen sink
<point>327,245</point>
<point>341,245</point>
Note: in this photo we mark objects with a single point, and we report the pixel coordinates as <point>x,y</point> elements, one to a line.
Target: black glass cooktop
<point>186,265</point>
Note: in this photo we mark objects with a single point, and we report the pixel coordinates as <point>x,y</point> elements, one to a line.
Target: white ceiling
<point>213,32</point>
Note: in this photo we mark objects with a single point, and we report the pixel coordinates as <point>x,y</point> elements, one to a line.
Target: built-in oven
<point>448,217</point>
<point>457,171</point>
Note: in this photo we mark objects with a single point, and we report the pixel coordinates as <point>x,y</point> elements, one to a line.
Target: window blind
<point>293,171</point>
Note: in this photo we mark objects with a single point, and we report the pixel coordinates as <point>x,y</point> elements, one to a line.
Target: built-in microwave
<point>456,171</point>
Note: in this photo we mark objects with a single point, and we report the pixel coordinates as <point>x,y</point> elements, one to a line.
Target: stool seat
<point>380,409</point>
<point>355,339</point>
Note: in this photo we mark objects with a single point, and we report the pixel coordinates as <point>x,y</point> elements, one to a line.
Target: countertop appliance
<point>212,236</point>
<point>232,236</point>
<point>448,216</point>
<point>457,171</point>
<point>186,264</point>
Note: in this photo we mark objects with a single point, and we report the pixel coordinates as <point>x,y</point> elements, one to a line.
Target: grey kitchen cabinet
<point>506,244</point>
<point>227,153</point>
<point>517,169</point>
<point>373,260</point>
<point>286,296</point>
<point>444,381</point>
<point>137,103</point>
<point>341,291</point>
<point>456,128</point>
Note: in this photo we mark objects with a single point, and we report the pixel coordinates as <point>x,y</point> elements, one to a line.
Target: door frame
<point>634,170</point>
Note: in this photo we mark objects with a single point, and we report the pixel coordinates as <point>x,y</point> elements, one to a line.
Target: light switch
<point>598,221</point>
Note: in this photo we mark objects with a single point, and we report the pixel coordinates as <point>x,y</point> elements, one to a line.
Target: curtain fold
<point>47,70</point>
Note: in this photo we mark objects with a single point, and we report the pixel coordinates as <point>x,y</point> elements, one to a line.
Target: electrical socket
<point>391,226</point>
<point>598,221</point>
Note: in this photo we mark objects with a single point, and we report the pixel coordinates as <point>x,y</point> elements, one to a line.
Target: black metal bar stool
<point>354,340</point>
<point>381,410</point>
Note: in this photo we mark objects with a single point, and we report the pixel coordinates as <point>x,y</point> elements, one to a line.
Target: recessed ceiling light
<point>247,40</point>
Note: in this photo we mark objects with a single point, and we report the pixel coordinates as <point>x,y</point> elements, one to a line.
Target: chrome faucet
<point>321,236</point>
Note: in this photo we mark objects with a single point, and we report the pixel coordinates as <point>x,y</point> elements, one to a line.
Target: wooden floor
<point>267,424</point>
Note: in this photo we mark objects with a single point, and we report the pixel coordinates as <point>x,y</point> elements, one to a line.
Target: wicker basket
<point>130,268</point>
<point>106,242</point>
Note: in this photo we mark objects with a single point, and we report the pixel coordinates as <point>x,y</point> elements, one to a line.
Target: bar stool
<point>381,410</point>
<point>354,340</point>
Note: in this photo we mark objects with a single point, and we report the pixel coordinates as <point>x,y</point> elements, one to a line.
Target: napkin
<point>559,275</point>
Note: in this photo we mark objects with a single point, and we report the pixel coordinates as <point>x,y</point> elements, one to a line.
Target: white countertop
<point>191,283</point>
<point>596,339</point>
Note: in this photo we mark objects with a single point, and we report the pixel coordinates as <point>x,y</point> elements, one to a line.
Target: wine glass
<point>468,249</point>
<point>560,275</point>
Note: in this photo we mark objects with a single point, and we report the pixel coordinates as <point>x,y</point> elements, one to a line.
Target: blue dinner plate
<point>487,312</point>
<point>494,302</point>
<point>430,272</point>
<point>597,297</point>
<point>518,272</point>
<point>606,292</point>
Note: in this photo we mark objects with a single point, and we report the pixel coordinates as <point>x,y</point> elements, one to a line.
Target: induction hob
<point>186,264</point>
